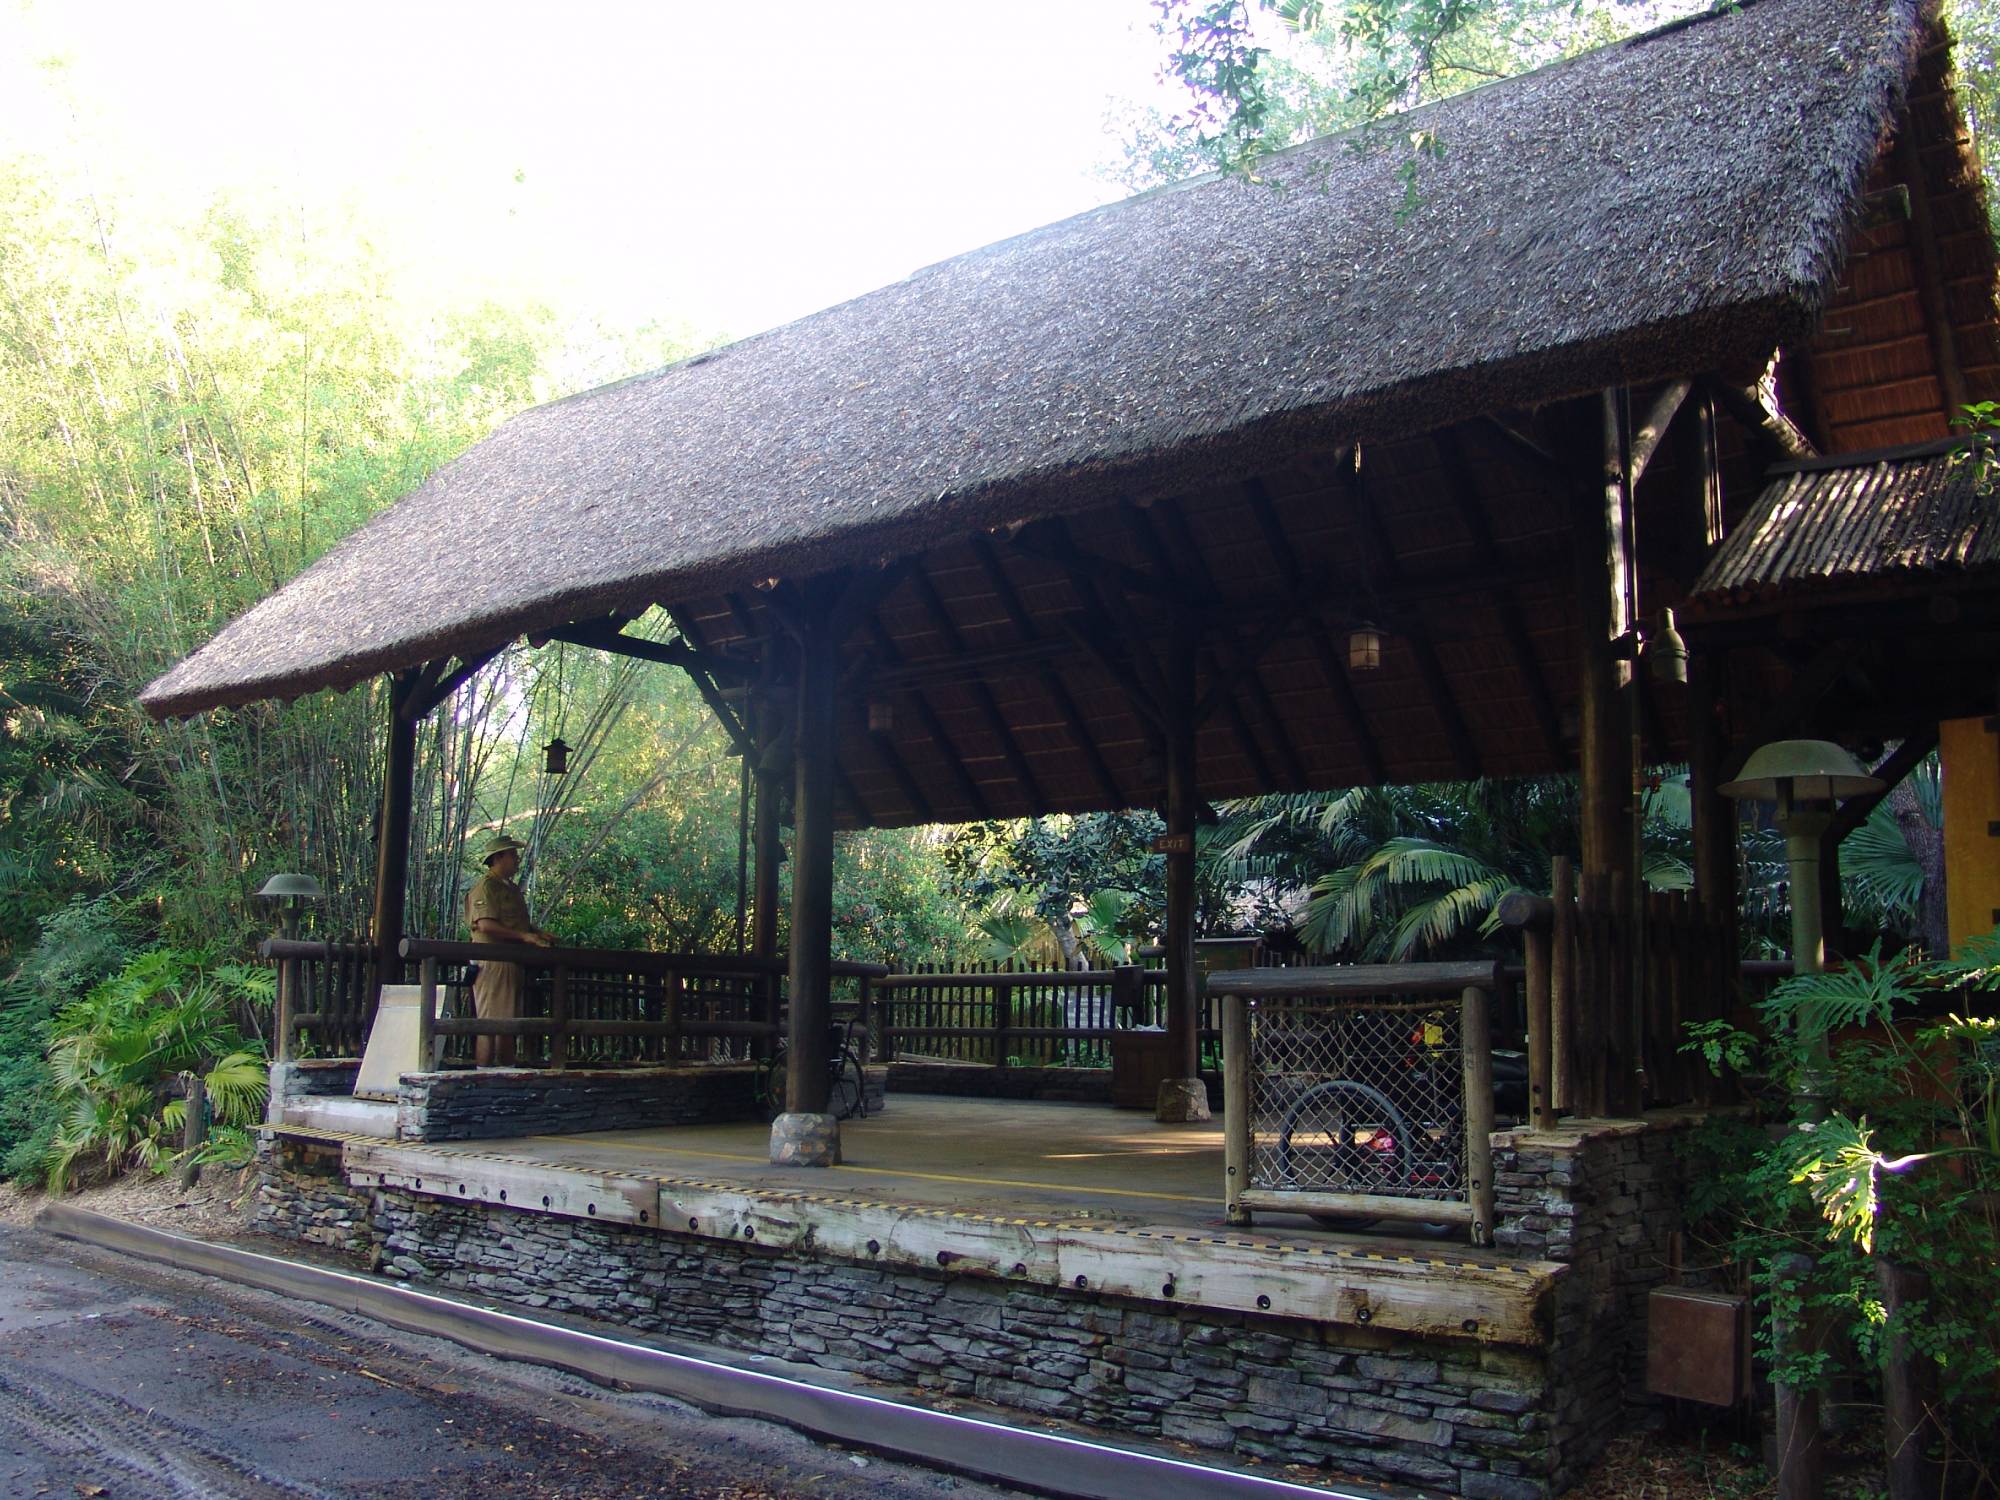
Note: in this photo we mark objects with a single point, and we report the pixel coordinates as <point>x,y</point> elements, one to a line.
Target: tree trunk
<point>1927,848</point>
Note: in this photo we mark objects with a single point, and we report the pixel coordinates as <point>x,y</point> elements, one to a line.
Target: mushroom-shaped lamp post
<point>294,891</point>
<point>1806,778</point>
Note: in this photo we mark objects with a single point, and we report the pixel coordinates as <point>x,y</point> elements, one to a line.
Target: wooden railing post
<point>288,984</point>
<point>559,1017</point>
<point>427,1015</point>
<point>1562,987</point>
<point>1003,1018</point>
<point>1534,916</point>
<point>1476,1042</point>
<point>1235,1105</point>
<point>672,1005</point>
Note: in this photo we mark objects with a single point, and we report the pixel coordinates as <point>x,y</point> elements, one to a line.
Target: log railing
<point>1031,1017</point>
<point>582,1005</point>
<point>1360,1092</point>
<point>1611,999</point>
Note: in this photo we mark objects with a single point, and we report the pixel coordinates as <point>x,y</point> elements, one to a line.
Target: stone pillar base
<point>1181,1100</point>
<point>805,1141</point>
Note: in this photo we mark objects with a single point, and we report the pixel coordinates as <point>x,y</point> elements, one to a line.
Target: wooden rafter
<point>982,695</point>
<point>1928,269</point>
<point>1265,512</point>
<point>1904,759</point>
<point>932,726</point>
<point>1652,429</point>
<point>1463,491</point>
<point>1046,674</point>
<point>1342,688</point>
<point>1465,755</point>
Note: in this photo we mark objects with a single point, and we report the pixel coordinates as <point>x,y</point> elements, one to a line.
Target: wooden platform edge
<point>1442,1296</point>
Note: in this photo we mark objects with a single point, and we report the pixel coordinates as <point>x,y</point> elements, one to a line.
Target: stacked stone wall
<point>487,1103</point>
<point>1466,1418</point>
<point>302,1195</point>
<point>1604,1198</point>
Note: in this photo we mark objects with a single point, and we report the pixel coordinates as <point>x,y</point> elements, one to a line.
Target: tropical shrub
<point>117,1053</point>
<point>1902,1170</point>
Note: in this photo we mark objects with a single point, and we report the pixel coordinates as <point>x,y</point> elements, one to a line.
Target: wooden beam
<point>1386,565</point>
<point>1780,720</point>
<point>1465,497</point>
<point>1898,764</point>
<point>1928,268</point>
<point>1526,447</point>
<point>439,684</point>
<point>1049,541</point>
<point>1756,409</point>
<point>982,695</point>
<point>1342,687</point>
<point>1049,677</point>
<point>1265,512</point>
<point>1659,417</point>
<point>929,722</point>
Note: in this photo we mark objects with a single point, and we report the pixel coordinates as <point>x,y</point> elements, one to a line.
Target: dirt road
<point>128,1382</point>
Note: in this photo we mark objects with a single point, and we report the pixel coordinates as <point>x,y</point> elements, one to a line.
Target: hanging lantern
<point>881,716</point>
<point>555,757</point>
<point>1364,648</point>
<point>1666,651</point>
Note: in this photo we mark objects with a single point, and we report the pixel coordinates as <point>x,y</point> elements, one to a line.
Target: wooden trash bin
<point>1139,1063</point>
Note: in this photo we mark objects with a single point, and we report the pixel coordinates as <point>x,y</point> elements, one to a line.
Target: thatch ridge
<point>1670,203</point>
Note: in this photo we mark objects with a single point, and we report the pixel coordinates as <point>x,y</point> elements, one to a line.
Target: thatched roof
<point>1862,526</point>
<point>1675,203</point>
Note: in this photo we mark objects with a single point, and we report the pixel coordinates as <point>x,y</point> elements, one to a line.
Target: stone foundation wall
<point>1603,1197</point>
<point>301,1195</point>
<point>488,1102</point>
<point>1457,1416</point>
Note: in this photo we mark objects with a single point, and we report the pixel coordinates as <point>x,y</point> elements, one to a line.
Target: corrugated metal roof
<point>1866,518</point>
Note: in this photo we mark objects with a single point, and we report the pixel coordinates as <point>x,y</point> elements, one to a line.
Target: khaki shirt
<point>499,900</point>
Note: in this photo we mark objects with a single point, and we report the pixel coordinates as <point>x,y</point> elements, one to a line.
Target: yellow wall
<point>1971,761</point>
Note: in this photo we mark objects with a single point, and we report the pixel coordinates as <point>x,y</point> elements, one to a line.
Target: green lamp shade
<point>280,886</point>
<point>1816,771</point>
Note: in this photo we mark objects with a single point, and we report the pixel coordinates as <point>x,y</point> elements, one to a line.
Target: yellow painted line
<point>1047,1187</point>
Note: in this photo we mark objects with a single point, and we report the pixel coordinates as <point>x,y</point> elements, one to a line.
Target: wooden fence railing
<point>1614,996</point>
<point>583,1006</point>
<point>1031,1017</point>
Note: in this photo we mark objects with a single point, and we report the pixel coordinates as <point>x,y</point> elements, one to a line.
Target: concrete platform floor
<point>1080,1163</point>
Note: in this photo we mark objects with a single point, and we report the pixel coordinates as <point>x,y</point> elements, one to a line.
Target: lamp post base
<point>1181,1100</point>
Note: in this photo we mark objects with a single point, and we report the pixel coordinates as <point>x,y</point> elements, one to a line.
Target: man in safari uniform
<point>497,912</point>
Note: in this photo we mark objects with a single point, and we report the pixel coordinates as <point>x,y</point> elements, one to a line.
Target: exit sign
<point>1173,843</point>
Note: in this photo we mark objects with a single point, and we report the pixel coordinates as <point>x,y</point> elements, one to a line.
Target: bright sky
<point>731,164</point>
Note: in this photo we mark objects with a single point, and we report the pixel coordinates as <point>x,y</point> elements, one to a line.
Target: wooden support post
<point>1182,1094</point>
<point>427,1014</point>
<point>1715,816</point>
<point>814,1142</point>
<point>1003,1019</point>
<point>392,845</point>
<point>1476,1044</point>
<point>672,1007</point>
<point>1235,1106</point>
<point>283,1007</point>
<point>767,855</point>
<point>194,1128</point>
<point>1537,942</point>
<point>1603,615</point>
<point>1562,987</point>
<point>559,1017</point>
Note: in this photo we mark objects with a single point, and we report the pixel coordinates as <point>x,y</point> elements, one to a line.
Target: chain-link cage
<point>1357,1096</point>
